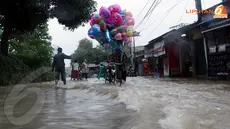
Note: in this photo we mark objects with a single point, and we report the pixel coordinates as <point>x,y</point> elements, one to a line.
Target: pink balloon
<point>104,13</point>
<point>115,8</point>
<point>129,14</point>
<point>130,22</point>
<point>91,23</point>
<point>117,19</point>
<point>128,18</point>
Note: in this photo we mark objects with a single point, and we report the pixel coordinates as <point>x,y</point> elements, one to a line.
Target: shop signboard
<point>159,49</point>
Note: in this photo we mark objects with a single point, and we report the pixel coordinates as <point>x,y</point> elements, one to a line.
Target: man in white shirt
<point>75,68</point>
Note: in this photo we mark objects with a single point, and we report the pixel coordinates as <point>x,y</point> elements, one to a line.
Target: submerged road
<point>140,103</point>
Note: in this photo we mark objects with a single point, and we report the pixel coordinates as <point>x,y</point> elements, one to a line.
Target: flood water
<point>141,103</point>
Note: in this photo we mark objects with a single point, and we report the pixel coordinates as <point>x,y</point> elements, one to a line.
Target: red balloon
<point>120,36</point>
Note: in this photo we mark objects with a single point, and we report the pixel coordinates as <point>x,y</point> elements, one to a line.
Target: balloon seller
<point>113,26</point>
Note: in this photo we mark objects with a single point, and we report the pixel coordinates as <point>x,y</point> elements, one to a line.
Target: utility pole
<point>135,34</point>
<point>200,15</point>
<point>199,7</point>
<point>134,54</point>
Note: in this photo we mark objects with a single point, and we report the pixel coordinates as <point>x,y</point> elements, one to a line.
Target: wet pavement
<point>140,103</point>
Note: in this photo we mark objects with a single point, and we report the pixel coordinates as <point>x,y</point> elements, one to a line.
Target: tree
<point>21,15</point>
<point>36,43</point>
<point>85,50</point>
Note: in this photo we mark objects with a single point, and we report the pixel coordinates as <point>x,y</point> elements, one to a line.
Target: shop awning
<point>175,37</point>
<point>203,22</point>
<point>217,25</point>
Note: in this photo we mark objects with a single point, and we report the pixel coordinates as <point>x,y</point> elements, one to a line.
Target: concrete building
<point>216,33</point>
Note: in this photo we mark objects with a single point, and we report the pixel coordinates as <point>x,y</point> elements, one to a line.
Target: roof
<point>139,48</point>
<point>160,37</point>
<point>188,27</point>
<point>180,30</point>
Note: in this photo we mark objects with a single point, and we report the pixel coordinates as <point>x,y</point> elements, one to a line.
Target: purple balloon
<point>104,13</point>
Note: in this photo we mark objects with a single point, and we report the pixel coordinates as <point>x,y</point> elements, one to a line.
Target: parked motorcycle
<point>131,72</point>
<point>110,74</point>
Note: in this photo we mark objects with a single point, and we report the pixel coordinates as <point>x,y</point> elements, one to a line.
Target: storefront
<point>217,39</point>
<point>173,59</point>
<point>160,57</point>
<point>151,61</point>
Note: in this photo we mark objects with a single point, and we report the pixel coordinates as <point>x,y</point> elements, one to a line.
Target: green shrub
<point>14,68</point>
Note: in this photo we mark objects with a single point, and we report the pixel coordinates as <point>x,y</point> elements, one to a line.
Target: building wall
<point>173,59</point>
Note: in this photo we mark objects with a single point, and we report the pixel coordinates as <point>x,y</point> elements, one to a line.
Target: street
<point>140,103</point>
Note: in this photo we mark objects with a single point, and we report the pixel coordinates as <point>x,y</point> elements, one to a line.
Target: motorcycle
<point>110,74</point>
<point>131,72</point>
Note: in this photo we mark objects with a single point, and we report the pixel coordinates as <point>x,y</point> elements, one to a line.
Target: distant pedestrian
<point>85,69</point>
<point>59,66</point>
<point>76,69</point>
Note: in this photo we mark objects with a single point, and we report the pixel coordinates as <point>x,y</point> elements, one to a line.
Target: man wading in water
<point>59,66</point>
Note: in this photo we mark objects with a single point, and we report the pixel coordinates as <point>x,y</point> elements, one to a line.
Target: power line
<point>149,13</point>
<point>158,2</point>
<point>167,13</point>
<point>183,12</point>
<point>143,8</point>
<point>145,14</point>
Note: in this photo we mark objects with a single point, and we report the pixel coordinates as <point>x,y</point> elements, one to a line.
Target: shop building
<point>216,33</point>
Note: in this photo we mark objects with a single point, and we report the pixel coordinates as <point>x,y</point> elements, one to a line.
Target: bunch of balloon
<point>112,26</point>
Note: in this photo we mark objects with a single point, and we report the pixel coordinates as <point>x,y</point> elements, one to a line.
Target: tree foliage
<point>28,51</point>
<point>21,15</point>
<point>36,43</point>
<point>85,50</point>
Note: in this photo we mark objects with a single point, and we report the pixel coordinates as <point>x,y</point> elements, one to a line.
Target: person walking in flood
<point>85,69</point>
<point>59,65</point>
<point>76,69</point>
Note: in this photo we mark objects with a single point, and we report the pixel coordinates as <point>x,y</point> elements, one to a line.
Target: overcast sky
<point>158,23</point>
